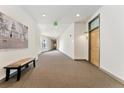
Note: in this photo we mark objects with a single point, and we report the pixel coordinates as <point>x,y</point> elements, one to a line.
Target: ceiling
<point>63,14</point>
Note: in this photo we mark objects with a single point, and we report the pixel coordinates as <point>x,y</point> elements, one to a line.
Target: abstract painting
<point>13,34</point>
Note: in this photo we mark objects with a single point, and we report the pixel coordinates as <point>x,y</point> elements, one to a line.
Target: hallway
<point>55,70</point>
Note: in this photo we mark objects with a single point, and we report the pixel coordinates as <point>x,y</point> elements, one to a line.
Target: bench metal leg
<point>34,63</point>
<point>27,66</point>
<point>7,74</point>
<point>18,73</point>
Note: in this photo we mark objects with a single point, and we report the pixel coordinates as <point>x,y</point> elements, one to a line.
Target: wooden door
<point>94,47</point>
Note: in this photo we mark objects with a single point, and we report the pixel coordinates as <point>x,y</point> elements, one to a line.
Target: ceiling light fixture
<point>77,15</point>
<point>44,15</point>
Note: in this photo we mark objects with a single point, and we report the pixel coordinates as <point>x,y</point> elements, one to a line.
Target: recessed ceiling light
<point>43,15</point>
<point>77,15</point>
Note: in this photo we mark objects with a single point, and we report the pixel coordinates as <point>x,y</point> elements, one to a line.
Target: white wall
<point>111,39</point>
<point>49,43</point>
<point>66,42</point>
<point>10,55</point>
<point>76,46</point>
<point>80,41</point>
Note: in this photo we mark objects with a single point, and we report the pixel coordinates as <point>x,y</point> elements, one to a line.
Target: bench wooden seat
<point>18,65</point>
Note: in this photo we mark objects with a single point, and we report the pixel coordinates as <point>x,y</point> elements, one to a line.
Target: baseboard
<point>73,58</point>
<point>65,54</point>
<point>11,75</point>
<point>113,76</point>
<point>14,73</point>
<point>81,60</point>
<point>2,79</point>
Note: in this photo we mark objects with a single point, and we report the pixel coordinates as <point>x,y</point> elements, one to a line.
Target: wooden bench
<point>18,65</point>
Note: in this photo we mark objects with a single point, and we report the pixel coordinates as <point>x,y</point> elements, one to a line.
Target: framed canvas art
<point>13,34</point>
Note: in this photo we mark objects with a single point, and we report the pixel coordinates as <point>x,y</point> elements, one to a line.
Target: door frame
<point>89,31</point>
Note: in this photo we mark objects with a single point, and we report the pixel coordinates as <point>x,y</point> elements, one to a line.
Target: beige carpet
<point>55,70</point>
